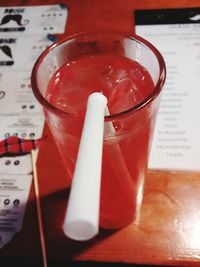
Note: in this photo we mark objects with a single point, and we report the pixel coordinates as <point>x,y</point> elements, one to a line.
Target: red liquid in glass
<point>125,83</point>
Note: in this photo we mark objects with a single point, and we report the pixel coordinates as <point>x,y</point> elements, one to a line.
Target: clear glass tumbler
<point>131,73</point>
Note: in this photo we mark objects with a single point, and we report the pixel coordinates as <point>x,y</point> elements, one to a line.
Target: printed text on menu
<point>176,34</point>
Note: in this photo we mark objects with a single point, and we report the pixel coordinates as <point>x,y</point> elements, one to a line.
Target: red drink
<point>125,83</point>
<point>63,78</point>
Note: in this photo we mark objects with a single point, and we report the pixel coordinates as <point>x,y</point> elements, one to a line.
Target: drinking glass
<point>98,63</point>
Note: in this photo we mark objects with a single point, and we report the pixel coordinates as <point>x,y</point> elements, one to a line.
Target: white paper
<point>20,52</point>
<point>16,96</point>
<point>176,140</point>
<point>24,35</point>
<point>33,19</point>
<point>16,165</point>
<point>5,238</point>
<point>26,127</point>
<point>14,191</point>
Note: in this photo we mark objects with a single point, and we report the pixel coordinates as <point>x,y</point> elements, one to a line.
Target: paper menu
<point>24,33</point>
<point>16,165</point>
<point>15,183</point>
<point>20,113</point>
<point>26,127</point>
<point>20,52</point>
<point>14,191</point>
<point>16,95</point>
<point>33,19</point>
<point>176,34</point>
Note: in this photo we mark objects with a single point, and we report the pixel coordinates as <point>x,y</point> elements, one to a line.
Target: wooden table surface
<point>168,232</point>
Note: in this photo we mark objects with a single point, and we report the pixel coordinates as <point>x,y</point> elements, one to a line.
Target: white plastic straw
<point>82,215</point>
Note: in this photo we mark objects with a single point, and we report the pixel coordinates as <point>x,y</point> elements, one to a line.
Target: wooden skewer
<point>34,154</point>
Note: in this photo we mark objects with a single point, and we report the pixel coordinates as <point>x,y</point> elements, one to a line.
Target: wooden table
<point>169,229</point>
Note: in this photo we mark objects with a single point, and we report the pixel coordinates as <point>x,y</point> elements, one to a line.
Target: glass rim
<point>155,92</point>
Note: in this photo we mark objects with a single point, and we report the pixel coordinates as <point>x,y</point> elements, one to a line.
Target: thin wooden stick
<point>38,206</point>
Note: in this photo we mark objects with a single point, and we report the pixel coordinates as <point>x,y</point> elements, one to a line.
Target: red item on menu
<point>15,144</point>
